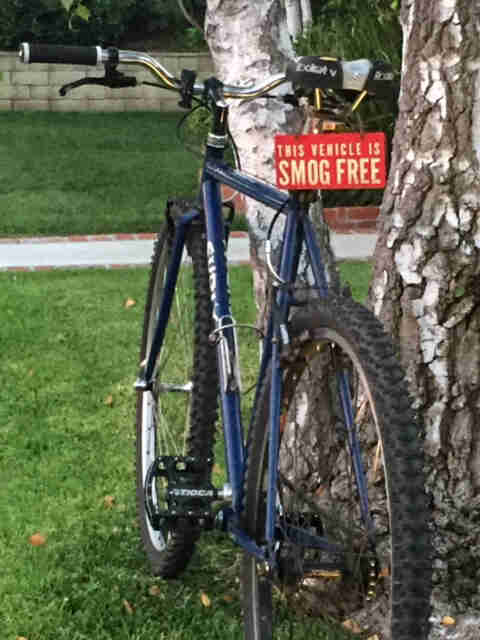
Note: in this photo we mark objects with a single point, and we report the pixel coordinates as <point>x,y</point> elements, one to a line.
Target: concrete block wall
<point>36,86</point>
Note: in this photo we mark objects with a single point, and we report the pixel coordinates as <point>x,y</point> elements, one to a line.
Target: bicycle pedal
<point>186,493</point>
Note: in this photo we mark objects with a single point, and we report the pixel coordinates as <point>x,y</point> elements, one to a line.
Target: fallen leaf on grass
<point>352,626</point>
<point>129,303</point>
<point>154,590</point>
<point>448,621</point>
<point>109,401</point>
<point>108,502</point>
<point>37,540</point>
<point>21,638</point>
<point>128,607</point>
<point>205,599</point>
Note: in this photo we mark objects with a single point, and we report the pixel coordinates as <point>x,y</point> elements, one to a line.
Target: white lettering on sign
<point>375,168</point>
<point>291,151</point>
<point>331,161</point>
<point>304,172</point>
<point>338,149</point>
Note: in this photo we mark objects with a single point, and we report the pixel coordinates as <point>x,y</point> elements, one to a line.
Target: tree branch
<point>189,18</point>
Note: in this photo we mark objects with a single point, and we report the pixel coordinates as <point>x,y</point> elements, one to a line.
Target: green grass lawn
<point>88,173</point>
<point>91,173</point>
<point>69,360</point>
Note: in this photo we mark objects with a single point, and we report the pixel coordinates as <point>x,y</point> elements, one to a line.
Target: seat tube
<point>288,264</point>
<point>316,262</point>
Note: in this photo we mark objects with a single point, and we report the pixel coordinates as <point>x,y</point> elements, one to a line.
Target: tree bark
<point>294,18</point>
<point>307,19</point>
<point>249,41</point>
<point>426,285</point>
<point>299,17</point>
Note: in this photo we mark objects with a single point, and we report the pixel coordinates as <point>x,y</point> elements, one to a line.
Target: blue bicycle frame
<point>298,232</point>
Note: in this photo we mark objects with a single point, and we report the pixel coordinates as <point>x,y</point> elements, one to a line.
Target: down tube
<point>226,351</point>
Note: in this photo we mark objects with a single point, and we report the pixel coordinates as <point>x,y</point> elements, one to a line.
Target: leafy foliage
<point>90,21</point>
<point>32,20</point>
<point>353,29</point>
<point>194,39</point>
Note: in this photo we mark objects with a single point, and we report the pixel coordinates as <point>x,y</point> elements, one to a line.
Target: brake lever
<point>112,79</point>
<point>78,83</point>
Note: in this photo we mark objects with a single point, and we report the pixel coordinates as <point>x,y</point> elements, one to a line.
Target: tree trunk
<point>249,41</point>
<point>299,17</point>
<point>426,286</point>
<point>306,15</point>
<point>294,18</point>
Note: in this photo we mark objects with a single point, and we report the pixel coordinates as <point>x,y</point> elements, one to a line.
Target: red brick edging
<point>113,237</point>
<point>339,219</point>
<point>352,219</point>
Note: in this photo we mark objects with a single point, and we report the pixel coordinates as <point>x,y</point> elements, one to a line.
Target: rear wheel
<point>374,571</point>
<point>177,417</point>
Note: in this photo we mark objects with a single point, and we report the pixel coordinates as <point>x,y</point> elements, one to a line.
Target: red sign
<point>331,161</point>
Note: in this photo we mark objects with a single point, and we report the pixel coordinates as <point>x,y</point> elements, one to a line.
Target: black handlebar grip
<point>56,54</point>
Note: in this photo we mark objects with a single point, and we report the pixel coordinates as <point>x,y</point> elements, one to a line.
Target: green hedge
<point>110,21</point>
<point>366,28</point>
<point>351,29</point>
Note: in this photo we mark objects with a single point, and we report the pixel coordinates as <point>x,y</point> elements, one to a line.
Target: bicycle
<point>325,496</point>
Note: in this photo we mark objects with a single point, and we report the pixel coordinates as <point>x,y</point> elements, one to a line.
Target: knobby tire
<point>283,603</point>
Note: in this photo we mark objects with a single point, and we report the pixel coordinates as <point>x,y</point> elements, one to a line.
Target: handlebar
<point>308,72</point>
<point>170,82</point>
<point>55,54</point>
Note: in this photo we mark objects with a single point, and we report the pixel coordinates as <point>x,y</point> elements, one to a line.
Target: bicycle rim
<point>373,578</point>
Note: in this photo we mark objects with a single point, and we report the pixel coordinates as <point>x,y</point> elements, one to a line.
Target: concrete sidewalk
<point>38,254</point>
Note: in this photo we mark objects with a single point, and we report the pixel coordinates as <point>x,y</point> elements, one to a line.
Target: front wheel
<point>177,416</point>
<point>350,475</point>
